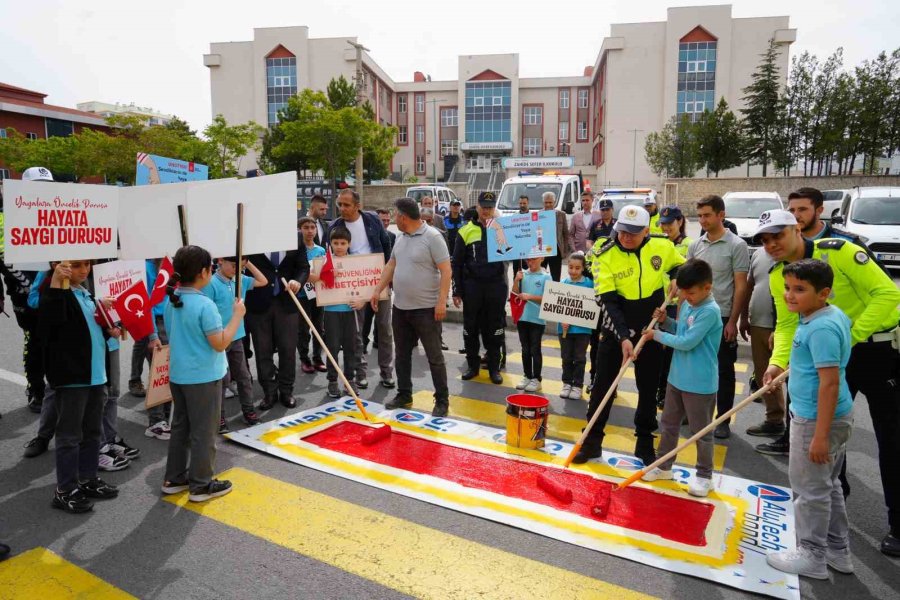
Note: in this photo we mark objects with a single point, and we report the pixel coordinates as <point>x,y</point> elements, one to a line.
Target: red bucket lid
<point>527,401</point>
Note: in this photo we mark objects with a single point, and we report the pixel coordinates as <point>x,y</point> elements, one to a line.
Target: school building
<point>488,122</point>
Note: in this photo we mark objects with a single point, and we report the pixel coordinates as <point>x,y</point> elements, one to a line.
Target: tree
<point>761,107</point>
<point>273,137</point>
<point>874,88</point>
<point>720,139</point>
<point>341,93</point>
<point>674,151</point>
<point>226,145</point>
<point>181,127</point>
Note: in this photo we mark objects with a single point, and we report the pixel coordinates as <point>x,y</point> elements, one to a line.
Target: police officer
<point>650,207</point>
<point>603,228</point>
<point>480,286</point>
<point>629,282</point>
<point>453,223</point>
<point>868,296</point>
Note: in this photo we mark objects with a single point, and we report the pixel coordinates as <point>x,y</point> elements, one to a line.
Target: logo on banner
<point>769,492</point>
<point>409,417</point>
<point>625,462</point>
<point>499,437</point>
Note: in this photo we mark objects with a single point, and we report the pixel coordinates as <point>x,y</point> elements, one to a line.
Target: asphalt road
<point>152,549</point>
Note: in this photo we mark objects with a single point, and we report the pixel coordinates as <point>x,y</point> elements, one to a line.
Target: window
<point>563,130</point>
<point>531,147</point>
<point>564,98</point>
<point>31,136</point>
<point>582,132</point>
<point>2,134</point>
<point>420,133</point>
<point>534,115</point>
<point>450,117</point>
<point>696,78</point>
<point>401,135</point>
<point>420,164</point>
<point>488,111</point>
<point>281,84</point>
<point>582,98</point>
<point>401,103</point>
<point>449,147</point>
<point>59,128</point>
<point>4,173</point>
<point>420,103</point>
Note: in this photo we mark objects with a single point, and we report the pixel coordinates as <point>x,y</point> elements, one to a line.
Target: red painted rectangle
<point>672,518</point>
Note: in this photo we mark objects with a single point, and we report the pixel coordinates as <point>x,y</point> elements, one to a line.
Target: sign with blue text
<point>523,235</point>
<point>152,169</point>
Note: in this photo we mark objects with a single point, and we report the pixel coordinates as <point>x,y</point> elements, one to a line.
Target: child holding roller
<point>694,377</point>
<point>573,340</point>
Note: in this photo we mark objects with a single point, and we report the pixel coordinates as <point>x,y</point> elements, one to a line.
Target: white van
<point>873,213</point>
<point>442,196</point>
<point>622,197</point>
<point>567,189</point>
<point>744,208</point>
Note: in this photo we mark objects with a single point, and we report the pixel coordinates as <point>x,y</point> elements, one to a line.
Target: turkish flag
<point>516,307</point>
<point>326,275</point>
<point>134,309</point>
<point>158,294</point>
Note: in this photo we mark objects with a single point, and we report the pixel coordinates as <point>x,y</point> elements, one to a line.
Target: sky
<point>152,53</point>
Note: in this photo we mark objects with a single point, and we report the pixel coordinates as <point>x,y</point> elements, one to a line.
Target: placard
<point>571,304</point>
<point>525,235</point>
<point>152,169</point>
<point>270,215</point>
<point>355,278</point>
<point>47,221</point>
<point>158,391</point>
<point>113,278</point>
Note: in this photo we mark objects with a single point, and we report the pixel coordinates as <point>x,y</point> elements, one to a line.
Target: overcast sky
<point>152,53</point>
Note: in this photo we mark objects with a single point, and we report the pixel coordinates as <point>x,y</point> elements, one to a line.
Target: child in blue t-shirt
<point>573,339</point>
<point>310,364</point>
<point>221,291</point>
<point>822,417</point>
<point>694,377</point>
<point>197,344</point>
<point>529,285</point>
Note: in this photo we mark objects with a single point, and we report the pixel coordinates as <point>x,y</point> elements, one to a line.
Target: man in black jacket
<point>273,322</point>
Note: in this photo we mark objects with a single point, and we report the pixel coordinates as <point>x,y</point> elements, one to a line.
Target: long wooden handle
<point>718,421</point>
<point>612,388</point>
<point>334,363</point>
<point>65,282</point>
<point>239,250</point>
<point>182,221</point>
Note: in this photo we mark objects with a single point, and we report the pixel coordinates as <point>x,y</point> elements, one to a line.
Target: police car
<point>627,196</point>
<point>873,213</point>
<point>566,188</point>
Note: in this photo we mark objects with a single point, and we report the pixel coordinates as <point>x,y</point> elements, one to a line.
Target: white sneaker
<point>566,389</point>
<point>575,393</point>
<point>839,560</point>
<point>657,474</point>
<point>523,383</point>
<point>159,431</point>
<point>700,487</point>
<point>533,386</point>
<point>110,461</point>
<point>799,561</point>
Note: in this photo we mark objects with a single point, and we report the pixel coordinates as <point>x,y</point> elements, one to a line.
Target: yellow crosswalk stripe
<point>398,554</point>
<point>559,427</point>
<point>549,387</point>
<point>40,573</point>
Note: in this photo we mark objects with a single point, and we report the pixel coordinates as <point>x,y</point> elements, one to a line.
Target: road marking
<point>398,554</point>
<point>559,427</point>
<point>40,573</point>
<point>739,367</point>
<point>550,387</point>
<point>13,377</point>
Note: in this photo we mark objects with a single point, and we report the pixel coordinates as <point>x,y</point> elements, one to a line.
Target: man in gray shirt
<point>420,270</point>
<point>729,258</point>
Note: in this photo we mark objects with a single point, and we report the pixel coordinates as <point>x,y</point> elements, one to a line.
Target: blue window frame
<point>488,111</point>
<point>696,78</point>
<point>281,84</point>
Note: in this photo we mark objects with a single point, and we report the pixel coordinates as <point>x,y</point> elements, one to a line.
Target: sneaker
<point>351,391</point>
<point>657,474</point>
<point>533,386</point>
<point>766,429</point>
<point>839,560</point>
<point>223,426</point>
<point>441,408</point>
<point>136,388</point>
<point>170,487</point>
<point>387,382</point>
<point>99,489</point>
<point>73,501</point>
<point>399,401</point>
<point>159,431</point>
<point>700,487</point>
<point>122,449</point>
<point>779,447</point>
<point>799,561</point>
<point>575,393</point>
<point>586,454</point>
<point>565,391</point>
<point>320,366</point>
<point>250,417</point>
<point>333,389</point>
<point>36,447</point>
<point>215,489</point>
<point>722,432</point>
<point>362,383</point>
<point>111,461</point>
<point>307,367</point>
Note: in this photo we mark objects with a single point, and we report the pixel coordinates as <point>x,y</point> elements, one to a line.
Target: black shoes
<point>643,449</point>
<point>214,489</point>
<point>496,377</point>
<point>287,399</point>
<point>766,429</point>
<point>470,374</point>
<point>267,403</point>
<point>587,453</point>
<point>250,417</point>
<point>388,383</point>
<point>890,545</point>
<point>98,489</point>
<point>399,401</point>
<point>36,447</point>
<point>722,432</point>
<point>441,408</point>
<point>73,501</point>
<point>780,447</point>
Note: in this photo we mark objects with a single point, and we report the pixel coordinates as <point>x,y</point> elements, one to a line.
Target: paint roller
<point>375,435</point>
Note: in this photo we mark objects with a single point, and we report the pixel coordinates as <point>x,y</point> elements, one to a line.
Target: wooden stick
<point>334,363</point>
<point>612,388</point>
<point>239,253</point>
<point>719,420</point>
<point>182,220</point>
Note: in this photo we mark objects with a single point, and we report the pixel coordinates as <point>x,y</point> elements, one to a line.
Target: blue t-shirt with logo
<point>311,253</point>
<point>98,340</point>
<point>221,291</point>
<point>191,358</point>
<point>576,329</point>
<point>533,283</point>
<point>822,340</point>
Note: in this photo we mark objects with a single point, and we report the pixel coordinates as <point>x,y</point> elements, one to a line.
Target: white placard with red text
<point>47,221</point>
<point>113,278</point>
<point>355,278</point>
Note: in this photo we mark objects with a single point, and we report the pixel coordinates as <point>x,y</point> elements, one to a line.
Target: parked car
<point>744,208</point>
<point>442,196</point>
<point>566,188</point>
<point>833,201</point>
<point>627,196</point>
<point>873,213</point>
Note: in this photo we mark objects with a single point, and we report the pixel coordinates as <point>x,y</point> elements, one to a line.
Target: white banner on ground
<point>355,278</point>
<point>47,221</point>
<point>572,304</point>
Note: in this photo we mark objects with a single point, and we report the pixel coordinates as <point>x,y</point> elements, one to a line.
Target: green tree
<point>675,150</point>
<point>273,137</point>
<point>720,139</point>
<point>761,100</point>
<point>341,93</point>
<point>180,126</point>
<point>226,145</point>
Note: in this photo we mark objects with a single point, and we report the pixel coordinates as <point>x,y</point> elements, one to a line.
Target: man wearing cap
<point>562,236</point>
<point>869,297</point>
<point>729,258</point>
<point>630,283</point>
<point>480,286</point>
<point>582,221</point>
<point>453,222</point>
<point>650,207</point>
<point>603,229</point>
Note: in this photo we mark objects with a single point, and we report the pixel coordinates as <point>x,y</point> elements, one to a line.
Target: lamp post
<point>634,155</point>
<point>433,103</point>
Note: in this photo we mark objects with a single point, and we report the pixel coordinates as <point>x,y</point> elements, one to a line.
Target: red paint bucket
<point>526,420</point>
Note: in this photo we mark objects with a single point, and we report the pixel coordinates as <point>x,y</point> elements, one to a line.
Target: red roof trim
<point>280,51</point>
<point>488,75</point>
<point>698,34</point>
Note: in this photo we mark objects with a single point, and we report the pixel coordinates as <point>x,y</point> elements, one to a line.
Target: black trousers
<point>530,335</point>
<point>340,335</point>
<point>555,264</point>
<point>595,345</point>
<point>727,358</point>
<point>646,374</point>
<point>409,327</point>
<point>315,315</point>
<point>484,316</point>
<point>32,359</point>
<point>79,430</point>
<point>573,349</point>
<point>275,330</point>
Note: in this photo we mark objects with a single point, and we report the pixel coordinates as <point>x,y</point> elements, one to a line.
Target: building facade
<point>463,129</point>
<point>106,109</point>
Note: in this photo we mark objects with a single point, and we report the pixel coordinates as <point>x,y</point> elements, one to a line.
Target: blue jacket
<point>696,338</point>
<point>375,232</point>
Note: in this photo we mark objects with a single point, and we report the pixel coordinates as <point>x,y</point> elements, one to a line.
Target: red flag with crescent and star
<point>135,310</point>
<point>326,275</point>
<point>162,280</point>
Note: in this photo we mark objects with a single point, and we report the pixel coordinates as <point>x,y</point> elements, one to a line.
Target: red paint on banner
<point>672,518</point>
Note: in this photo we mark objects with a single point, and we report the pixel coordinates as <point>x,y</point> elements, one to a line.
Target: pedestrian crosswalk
<point>40,573</point>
